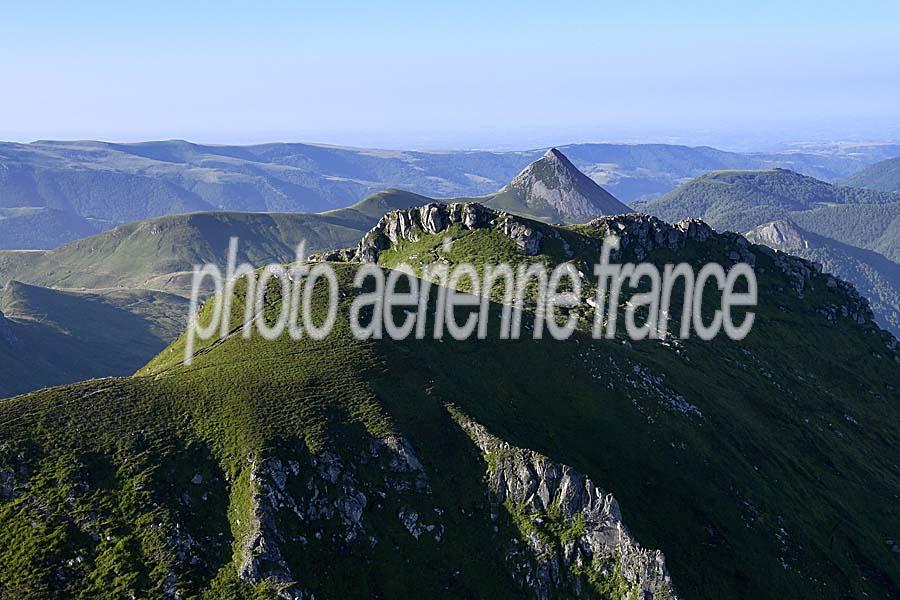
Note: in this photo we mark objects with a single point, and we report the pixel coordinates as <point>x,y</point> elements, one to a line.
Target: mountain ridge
<point>740,200</point>
<point>114,183</point>
<point>345,468</point>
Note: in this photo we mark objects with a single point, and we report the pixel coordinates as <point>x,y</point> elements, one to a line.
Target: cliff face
<point>413,223</point>
<point>573,532</point>
<point>569,537</point>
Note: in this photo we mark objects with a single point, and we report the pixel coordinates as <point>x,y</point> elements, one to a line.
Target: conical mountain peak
<point>553,189</point>
<point>555,154</point>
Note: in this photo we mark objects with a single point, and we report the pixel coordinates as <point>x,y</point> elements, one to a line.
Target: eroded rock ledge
<point>572,530</point>
<point>412,223</point>
<point>324,494</point>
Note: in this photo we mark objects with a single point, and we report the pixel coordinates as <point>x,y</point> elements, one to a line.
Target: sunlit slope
<point>761,468</point>
<point>741,200</point>
<point>160,253</point>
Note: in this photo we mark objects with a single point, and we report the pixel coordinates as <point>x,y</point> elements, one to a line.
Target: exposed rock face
<point>324,493</point>
<point>261,558</point>
<point>412,223</point>
<point>328,496</point>
<point>780,235</point>
<point>528,241</point>
<point>802,271</point>
<point>553,185</point>
<point>642,234</point>
<point>597,541</point>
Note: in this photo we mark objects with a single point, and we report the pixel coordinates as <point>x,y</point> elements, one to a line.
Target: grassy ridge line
<point>715,501</point>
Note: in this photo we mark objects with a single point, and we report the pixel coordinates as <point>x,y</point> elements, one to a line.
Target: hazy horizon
<point>500,76</point>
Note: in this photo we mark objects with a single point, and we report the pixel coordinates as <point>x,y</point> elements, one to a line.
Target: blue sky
<point>474,74</point>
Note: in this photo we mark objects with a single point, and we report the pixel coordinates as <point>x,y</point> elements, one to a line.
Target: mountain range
<point>347,468</point>
<point>155,258</point>
<point>344,468</point>
<point>158,255</point>
<point>99,185</point>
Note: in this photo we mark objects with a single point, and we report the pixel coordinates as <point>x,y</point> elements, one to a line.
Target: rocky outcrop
<point>325,495</point>
<point>412,223</point>
<point>261,559</point>
<point>780,235</point>
<point>641,234</point>
<point>328,496</point>
<point>572,530</point>
<point>801,272</point>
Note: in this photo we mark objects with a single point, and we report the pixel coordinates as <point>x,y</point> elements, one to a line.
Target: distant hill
<point>874,227</point>
<point>52,337</point>
<point>109,318</point>
<point>853,232</point>
<point>36,227</point>
<point>160,253</point>
<point>366,212</point>
<point>875,277</point>
<point>884,176</point>
<point>740,200</point>
<point>110,184</point>
<point>553,189</point>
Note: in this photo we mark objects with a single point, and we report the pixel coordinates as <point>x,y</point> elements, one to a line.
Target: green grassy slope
<point>160,253</point>
<point>114,323</point>
<point>366,212</point>
<point>764,468</point>
<point>741,200</point>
